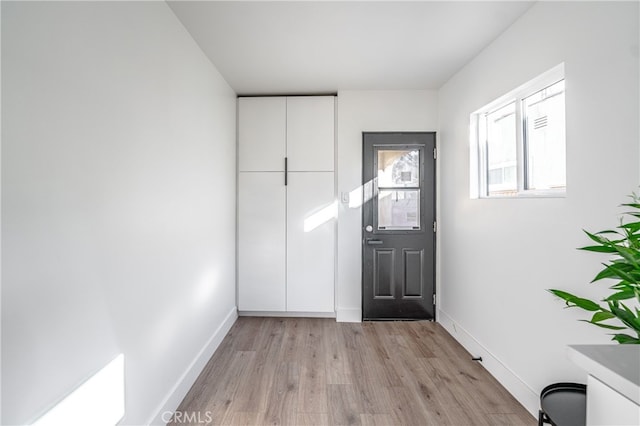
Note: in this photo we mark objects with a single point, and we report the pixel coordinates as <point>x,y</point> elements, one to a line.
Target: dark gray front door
<point>398,225</point>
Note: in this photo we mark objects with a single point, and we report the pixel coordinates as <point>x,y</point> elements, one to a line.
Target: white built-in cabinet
<point>286,218</point>
<point>607,406</point>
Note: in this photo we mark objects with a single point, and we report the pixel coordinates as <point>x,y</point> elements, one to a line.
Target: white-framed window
<point>518,141</point>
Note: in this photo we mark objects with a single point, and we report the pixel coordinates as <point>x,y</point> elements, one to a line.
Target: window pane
<point>545,138</point>
<point>399,209</point>
<point>398,168</point>
<point>501,151</point>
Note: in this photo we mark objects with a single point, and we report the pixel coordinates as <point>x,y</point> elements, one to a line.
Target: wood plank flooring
<point>308,371</point>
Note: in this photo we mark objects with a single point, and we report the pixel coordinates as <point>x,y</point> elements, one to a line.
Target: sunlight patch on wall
<point>206,288</point>
<point>98,401</point>
<point>321,217</point>
<point>361,195</point>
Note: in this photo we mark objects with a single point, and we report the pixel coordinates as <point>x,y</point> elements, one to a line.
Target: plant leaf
<point>622,285</point>
<point>626,339</point>
<point>607,326</point>
<point>627,254</point>
<point>599,249</point>
<point>615,270</point>
<point>562,294</point>
<point>598,239</point>
<point>620,272</point>
<point>586,304</point>
<point>632,226</point>
<point>572,300</point>
<point>625,315</point>
<point>607,272</point>
<point>601,316</point>
<point>623,295</point>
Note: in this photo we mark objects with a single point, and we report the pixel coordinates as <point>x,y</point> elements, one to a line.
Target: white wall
<point>498,256</point>
<point>368,111</point>
<point>118,203</point>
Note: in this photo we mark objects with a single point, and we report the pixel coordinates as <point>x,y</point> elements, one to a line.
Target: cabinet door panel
<point>311,210</point>
<point>310,133</point>
<point>262,134</point>
<point>261,242</point>
<point>606,406</point>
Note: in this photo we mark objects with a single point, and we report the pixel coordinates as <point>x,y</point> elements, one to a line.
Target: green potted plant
<point>623,244</point>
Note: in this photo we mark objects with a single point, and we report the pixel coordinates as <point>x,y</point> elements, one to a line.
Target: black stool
<point>563,404</point>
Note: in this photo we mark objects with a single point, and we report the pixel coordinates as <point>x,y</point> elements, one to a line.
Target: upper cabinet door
<point>262,133</point>
<point>310,133</point>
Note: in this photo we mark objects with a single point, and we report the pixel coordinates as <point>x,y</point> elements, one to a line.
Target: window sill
<point>527,194</point>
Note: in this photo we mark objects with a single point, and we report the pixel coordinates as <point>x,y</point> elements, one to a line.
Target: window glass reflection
<point>398,168</point>
<point>399,209</point>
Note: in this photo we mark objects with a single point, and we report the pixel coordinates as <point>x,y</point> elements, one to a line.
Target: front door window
<point>398,181</point>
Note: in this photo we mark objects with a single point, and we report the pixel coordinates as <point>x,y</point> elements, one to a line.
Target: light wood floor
<point>303,371</point>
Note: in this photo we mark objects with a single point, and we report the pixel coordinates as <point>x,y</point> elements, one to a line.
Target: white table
<point>613,384</point>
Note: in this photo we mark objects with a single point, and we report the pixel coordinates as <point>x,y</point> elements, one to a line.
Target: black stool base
<point>563,404</point>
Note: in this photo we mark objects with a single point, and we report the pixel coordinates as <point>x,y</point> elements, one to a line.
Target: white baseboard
<point>507,378</point>
<point>287,314</point>
<point>188,378</point>
<point>348,315</point>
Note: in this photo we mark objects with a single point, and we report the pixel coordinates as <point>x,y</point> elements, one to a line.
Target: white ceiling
<point>322,47</point>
